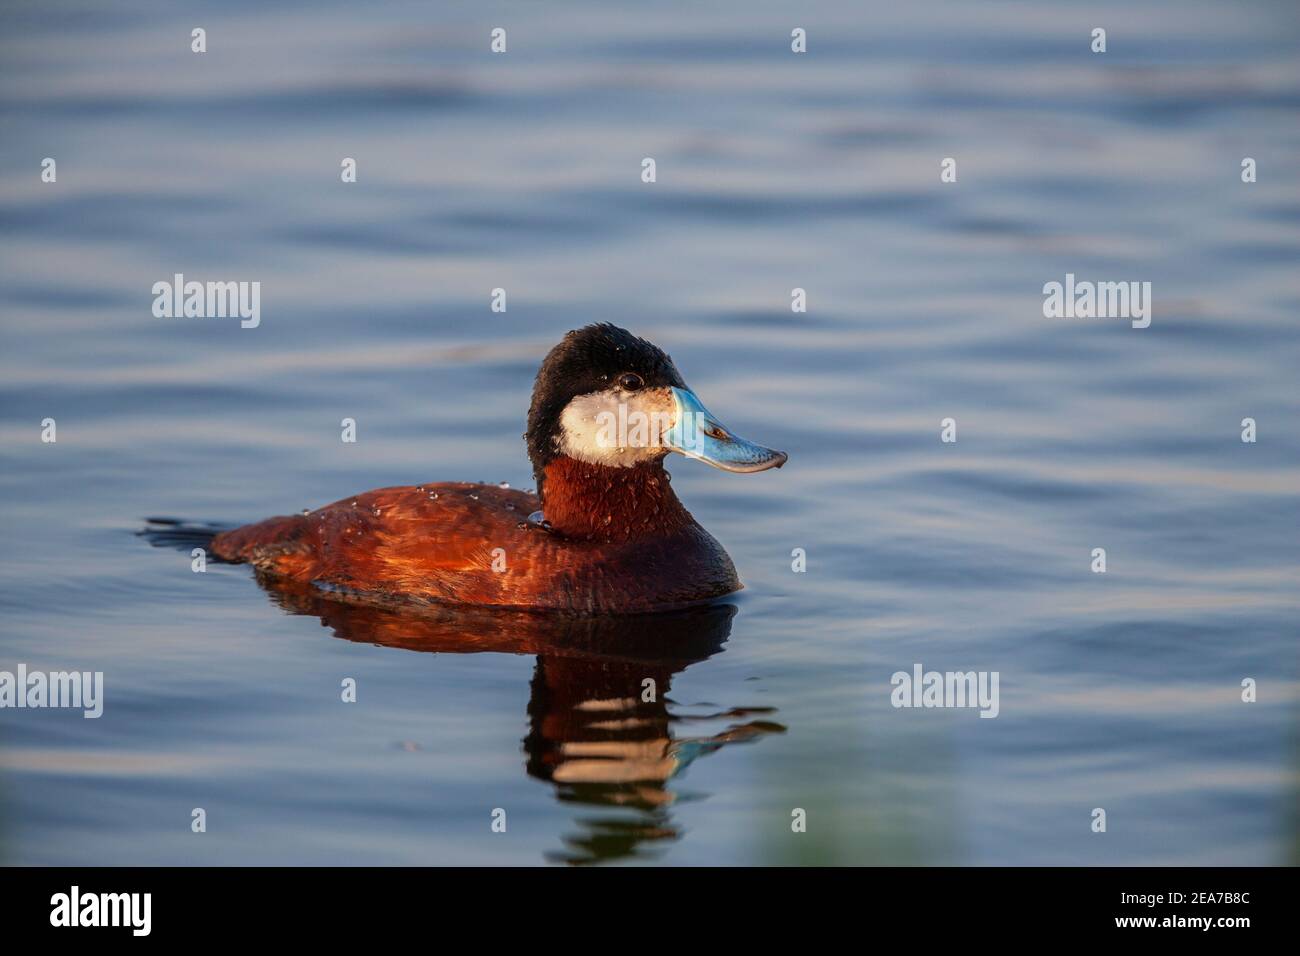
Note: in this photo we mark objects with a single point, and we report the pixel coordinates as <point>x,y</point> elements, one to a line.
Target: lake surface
<point>522,171</point>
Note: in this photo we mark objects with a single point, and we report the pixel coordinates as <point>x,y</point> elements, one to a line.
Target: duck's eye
<point>630,381</point>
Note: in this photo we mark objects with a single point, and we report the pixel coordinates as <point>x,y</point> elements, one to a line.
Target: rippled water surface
<point>1119,690</point>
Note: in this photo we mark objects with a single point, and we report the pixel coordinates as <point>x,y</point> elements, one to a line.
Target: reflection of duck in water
<point>600,727</point>
<point>601,731</point>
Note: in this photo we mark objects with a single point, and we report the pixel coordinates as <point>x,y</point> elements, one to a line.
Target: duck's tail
<point>181,535</point>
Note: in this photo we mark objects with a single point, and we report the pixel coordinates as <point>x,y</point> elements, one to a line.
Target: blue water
<point>1119,691</point>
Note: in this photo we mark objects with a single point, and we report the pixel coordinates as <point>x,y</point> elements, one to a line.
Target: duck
<point>604,531</point>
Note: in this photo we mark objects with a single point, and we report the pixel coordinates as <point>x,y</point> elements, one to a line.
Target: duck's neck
<point>610,504</point>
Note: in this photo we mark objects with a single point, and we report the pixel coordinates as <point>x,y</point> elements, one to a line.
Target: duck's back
<point>473,544</point>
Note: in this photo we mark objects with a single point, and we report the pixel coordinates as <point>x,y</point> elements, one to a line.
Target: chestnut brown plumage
<point>616,539</point>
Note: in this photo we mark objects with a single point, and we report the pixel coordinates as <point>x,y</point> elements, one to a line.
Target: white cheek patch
<point>616,428</point>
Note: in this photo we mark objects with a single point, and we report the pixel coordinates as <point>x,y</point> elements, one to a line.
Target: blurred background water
<point>775,171</point>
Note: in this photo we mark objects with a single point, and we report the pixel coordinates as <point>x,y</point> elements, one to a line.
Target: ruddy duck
<point>604,533</point>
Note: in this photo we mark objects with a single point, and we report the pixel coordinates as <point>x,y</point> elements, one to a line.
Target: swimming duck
<point>603,533</point>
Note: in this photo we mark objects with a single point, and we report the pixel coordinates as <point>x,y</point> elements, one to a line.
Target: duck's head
<point>606,398</point>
